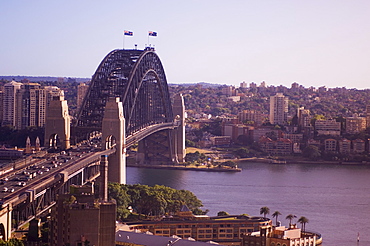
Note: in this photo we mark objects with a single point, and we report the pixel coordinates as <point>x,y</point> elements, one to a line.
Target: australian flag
<point>128,33</point>
<point>154,34</point>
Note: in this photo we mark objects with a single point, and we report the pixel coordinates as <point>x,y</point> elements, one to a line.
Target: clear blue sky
<point>311,42</point>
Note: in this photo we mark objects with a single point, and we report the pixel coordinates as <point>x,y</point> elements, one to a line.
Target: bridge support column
<point>140,154</point>
<point>57,124</point>
<point>157,149</point>
<point>114,135</point>
<point>6,222</point>
<point>179,132</point>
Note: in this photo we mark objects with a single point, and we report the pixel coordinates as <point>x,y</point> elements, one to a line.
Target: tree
<point>222,213</point>
<point>303,220</point>
<point>276,215</point>
<point>11,242</point>
<point>290,217</point>
<point>312,152</point>
<point>231,164</point>
<point>264,211</point>
<point>242,152</point>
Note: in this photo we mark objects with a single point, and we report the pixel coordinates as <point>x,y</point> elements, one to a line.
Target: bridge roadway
<point>15,189</point>
<point>141,134</point>
<point>53,176</point>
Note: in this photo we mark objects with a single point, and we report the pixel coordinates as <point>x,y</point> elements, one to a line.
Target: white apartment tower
<point>278,109</point>
<point>10,107</point>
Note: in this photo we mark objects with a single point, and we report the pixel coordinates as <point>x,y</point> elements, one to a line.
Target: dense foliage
<point>151,201</point>
<point>11,242</point>
<point>11,137</point>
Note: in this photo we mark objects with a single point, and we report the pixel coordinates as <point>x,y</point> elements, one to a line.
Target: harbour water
<point>335,198</point>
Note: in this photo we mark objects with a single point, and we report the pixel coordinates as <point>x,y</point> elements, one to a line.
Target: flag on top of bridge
<point>151,33</point>
<point>128,33</point>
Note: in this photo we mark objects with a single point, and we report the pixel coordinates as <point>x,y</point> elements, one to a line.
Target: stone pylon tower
<point>179,133</point>
<point>114,135</point>
<point>37,147</point>
<point>28,146</point>
<point>57,124</point>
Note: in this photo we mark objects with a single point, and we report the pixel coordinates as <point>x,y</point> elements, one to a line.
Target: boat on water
<point>277,161</point>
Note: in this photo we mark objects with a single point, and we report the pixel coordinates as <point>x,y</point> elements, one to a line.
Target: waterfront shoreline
<point>292,161</point>
<point>176,167</point>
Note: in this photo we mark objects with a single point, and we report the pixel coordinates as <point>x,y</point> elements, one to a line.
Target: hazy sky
<point>311,42</point>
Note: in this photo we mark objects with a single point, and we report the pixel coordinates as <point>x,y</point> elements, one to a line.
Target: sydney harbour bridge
<point>127,103</point>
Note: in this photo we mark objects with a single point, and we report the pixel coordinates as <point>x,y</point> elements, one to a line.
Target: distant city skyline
<point>314,43</point>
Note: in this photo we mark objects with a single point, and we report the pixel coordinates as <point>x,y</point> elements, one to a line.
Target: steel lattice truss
<point>138,78</point>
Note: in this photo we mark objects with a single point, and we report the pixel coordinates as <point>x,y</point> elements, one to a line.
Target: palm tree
<point>276,215</point>
<point>303,220</point>
<point>290,217</point>
<point>264,211</point>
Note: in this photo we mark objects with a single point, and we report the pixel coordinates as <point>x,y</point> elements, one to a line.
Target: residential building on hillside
<point>278,109</point>
<point>228,90</point>
<point>294,137</point>
<point>220,141</point>
<point>358,146</point>
<point>328,127</point>
<point>243,85</point>
<point>304,117</point>
<point>254,116</point>
<point>355,124</point>
<point>344,146</point>
<point>278,147</point>
<point>367,116</point>
<point>330,145</point>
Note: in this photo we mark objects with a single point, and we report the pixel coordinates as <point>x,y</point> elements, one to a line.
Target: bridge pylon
<point>57,125</point>
<point>113,136</point>
<point>178,109</point>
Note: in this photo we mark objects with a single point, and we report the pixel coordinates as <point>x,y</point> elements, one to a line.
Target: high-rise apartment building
<point>25,104</point>
<point>304,117</point>
<point>81,92</point>
<point>278,109</point>
<point>243,84</point>
<point>53,92</point>
<point>1,104</point>
<point>31,102</point>
<point>10,105</point>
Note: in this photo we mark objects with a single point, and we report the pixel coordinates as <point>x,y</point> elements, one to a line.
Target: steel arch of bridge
<point>137,77</point>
